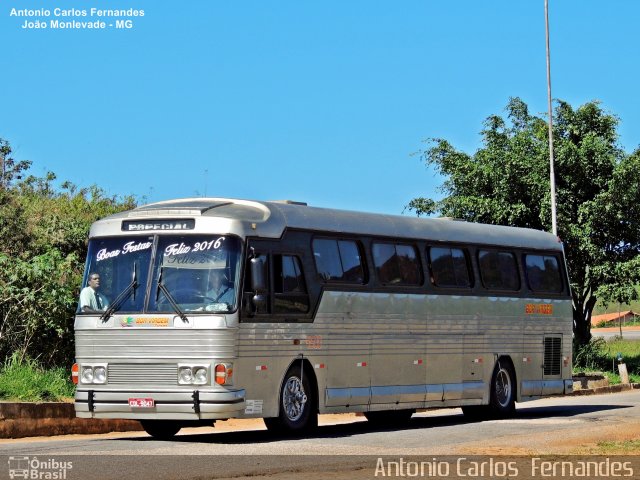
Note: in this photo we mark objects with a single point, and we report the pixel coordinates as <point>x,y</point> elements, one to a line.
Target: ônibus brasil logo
<point>27,467</point>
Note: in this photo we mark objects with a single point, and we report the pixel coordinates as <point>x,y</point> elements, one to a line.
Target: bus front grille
<point>143,374</point>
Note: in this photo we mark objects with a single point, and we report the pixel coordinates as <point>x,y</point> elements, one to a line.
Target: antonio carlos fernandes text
<point>506,468</point>
<point>75,12</point>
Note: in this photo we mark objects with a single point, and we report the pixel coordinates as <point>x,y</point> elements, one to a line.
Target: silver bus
<point>212,308</point>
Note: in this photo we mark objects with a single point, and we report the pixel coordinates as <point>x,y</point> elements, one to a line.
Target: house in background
<point>613,319</point>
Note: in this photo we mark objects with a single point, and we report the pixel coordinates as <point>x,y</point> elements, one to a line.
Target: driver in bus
<point>91,300</point>
<point>219,289</point>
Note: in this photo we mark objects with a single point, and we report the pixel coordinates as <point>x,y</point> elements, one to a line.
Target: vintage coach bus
<point>214,308</point>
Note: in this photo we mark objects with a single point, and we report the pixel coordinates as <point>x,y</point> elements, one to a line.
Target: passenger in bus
<point>90,299</point>
<point>219,290</point>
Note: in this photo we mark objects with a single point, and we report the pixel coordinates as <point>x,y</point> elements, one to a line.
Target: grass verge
<point>26,381</point>
<point>601,355</point>
<point>624,447</point>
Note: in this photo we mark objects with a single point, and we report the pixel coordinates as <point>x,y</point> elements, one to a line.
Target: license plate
<point>141,402</point>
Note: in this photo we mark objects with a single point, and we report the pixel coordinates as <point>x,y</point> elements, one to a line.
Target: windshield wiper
<point>117,303</point>
<point>172,301</point>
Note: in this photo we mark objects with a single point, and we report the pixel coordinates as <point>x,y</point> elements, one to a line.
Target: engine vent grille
<point>552,355</point>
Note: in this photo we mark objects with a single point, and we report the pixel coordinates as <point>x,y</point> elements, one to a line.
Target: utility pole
<point>552,175</point>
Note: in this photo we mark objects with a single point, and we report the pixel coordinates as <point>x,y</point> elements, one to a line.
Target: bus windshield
<point>195,273</point>
<point>191,273</point>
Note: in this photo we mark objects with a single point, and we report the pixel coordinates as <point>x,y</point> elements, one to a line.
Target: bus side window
<point>396,264</point>
<point>498,270</point>
<point>338,260</point>
<point>543,273</point>
<point>290,291</point>
<point>449,267</point>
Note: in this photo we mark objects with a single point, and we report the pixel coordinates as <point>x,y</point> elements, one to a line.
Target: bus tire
<point>389,418</point>
<point>297,404</point>
<point>161,429</point>
<point>503,390</point>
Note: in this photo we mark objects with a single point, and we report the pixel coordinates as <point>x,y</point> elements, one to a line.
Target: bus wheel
<point>502,399</point>
<point>161,429</point>
<point>297,404</point>
<point>390,418</point>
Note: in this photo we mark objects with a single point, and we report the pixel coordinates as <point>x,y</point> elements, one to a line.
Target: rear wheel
<point>297,404</point>
<point>501,397</point>
<point>503,389</point>
<point>161,429</point>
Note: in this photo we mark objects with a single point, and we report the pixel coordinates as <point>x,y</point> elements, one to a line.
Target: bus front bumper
<point>167,405</point>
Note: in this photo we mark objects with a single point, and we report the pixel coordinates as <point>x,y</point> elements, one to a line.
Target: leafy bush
<point>36,307</point>
<point>602,355</point>
<point>592,355</point>
<point>43,244</point>
<point>25,380</point>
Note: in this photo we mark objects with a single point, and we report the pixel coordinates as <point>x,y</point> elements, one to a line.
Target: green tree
<point>43,242</point>
<point>506,182</point>
<point>10,169</point>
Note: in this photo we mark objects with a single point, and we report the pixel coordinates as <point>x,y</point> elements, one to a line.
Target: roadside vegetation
<point>624,447</point>
<point>602,356</point>
<point>44,226</point>
<point>27,381</point>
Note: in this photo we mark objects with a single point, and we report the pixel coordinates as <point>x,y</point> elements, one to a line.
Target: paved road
<point>556,425</point>
<point>608,333</point>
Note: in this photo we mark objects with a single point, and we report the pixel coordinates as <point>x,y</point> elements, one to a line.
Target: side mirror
<point>259,303</point>
<point>258,276</point>
<point>257,299</point>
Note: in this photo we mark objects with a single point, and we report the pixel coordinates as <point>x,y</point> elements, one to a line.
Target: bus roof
<point>270,218</point>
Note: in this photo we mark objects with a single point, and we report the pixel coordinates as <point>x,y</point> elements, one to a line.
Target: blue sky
<point>323,102</point>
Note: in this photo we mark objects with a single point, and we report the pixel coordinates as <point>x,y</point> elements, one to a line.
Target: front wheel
<point>161,429</point>
<point>297,405</point>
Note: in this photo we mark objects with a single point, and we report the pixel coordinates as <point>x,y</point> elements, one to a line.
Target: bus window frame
<point>361,252</point>
<point>472,275</point>
<point>270,249</point>
<point>561,273</point>
<point>418,258</point>
<point>519,275</point>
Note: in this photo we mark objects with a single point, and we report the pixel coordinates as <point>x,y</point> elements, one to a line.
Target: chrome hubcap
<point>503,387</point>
<point>293,398</point>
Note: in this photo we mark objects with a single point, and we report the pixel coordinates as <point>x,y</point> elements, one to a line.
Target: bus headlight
<point>185,375</point>
<point>193,374</point>
<point>99,375</point>
<point>200,376</point>
<point>93,374</point>
<point>87,375</point>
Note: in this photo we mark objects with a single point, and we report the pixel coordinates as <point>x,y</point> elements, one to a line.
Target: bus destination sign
<point>164,224</point>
